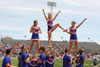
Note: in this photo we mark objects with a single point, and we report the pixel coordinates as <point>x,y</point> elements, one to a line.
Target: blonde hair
<point>49,14</point>
<point>73,22</point>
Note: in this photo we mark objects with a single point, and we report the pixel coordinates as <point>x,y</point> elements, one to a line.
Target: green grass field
<point>58,63</point>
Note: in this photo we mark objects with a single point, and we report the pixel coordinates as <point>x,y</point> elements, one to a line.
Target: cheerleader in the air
<point>73,36</point>
<point>49,61</point>
<point>51,28</point>
<point>35,30</point>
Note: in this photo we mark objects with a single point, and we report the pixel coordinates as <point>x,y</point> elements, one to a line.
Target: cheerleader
<point>51,28</point>
<point>33,62</point>
<point>35,30</point>
<point>80,59</point>
<point>73,35</point>
<point>50,58</point>
<point>78,62</point>
<point>67,59</point>
<point>41,59</point>
<point>72,60</point>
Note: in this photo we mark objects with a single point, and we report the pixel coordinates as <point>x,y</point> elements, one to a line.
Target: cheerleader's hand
<point>59,11</point>
<point>29,55</point>
<point>65,30</point>
<point>38,55</point>
<point>40,32</point>
<point>33,31</point>
<point>85,19</point>
<point>42,9</point>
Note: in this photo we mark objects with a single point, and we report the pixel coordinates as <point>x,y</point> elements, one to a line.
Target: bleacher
<point>93,46</point>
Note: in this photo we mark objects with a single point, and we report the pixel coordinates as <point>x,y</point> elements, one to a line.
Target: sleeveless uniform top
<point>50,24</point>
<point>35,35</point>
<point>33,63</point>
<point>73,35</point>
<point>49,61</point>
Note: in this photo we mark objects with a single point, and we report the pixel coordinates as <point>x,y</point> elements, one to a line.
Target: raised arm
<point>46,52</point>
<point>53,53</point>
<point>56,15</point>
<point>74,58</point>
<point>40,30</point>
<point>44,14</point>
<point>81,23</point>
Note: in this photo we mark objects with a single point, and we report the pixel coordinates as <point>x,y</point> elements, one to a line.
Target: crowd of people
<point>59,49</point>
<point>15,47</point>
<point>45,58</point>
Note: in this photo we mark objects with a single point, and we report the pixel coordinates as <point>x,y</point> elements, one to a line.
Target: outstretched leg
<point>57,25</point>
<point>76,46</point>
<point>50,33</point>
<point>71,44</point>
<point>31,46</point>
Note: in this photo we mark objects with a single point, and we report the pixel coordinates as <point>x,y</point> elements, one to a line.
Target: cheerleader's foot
<point>49,46</point>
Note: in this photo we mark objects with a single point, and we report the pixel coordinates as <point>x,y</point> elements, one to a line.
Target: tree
<point>7,37</point>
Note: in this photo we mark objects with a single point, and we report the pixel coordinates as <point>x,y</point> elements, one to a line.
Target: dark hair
<point>20,53</point>
<point>8,51</point>
<point>22,47</point>
<point>81,51</point>
<point>42,48</point>
<point>35,22</point>
<point>66,50</point>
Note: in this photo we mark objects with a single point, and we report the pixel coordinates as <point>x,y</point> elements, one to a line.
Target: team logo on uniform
<point>73,30</point>
<point>33,62</point>
<point>77,60</point>
<point>35,30</point>
<point>50,22</point>
<point>50,59</point>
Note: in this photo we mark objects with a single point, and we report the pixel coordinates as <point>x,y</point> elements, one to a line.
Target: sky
<point>17,16</point>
